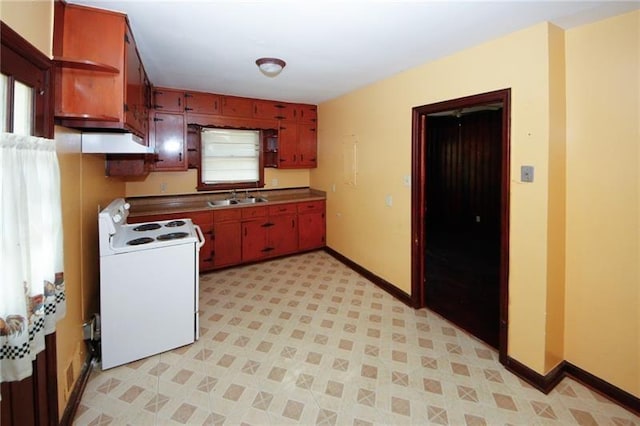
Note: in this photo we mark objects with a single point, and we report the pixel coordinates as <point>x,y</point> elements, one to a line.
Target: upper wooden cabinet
<point>297,146</point>
<point>306,113</point>
<point>168,137</point>
<point>100,80</point>
<point>202,103</point>
<point>233,106</point>
<point>272,110</point>
<point>168,100</point>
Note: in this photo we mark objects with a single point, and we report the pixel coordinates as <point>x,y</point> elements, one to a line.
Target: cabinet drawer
<point>282,209</point>
<point>251,212</point>
<point>311,207</point>
<point>227,215</point>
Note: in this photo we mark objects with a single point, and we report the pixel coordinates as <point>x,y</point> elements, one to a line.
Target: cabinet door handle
<point>267,249</point>
<point>179,102</point>
<point>267,225</point>
<point>179,156</point>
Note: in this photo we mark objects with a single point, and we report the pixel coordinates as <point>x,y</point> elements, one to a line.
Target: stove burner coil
<point>174,223</point>
<point>147,227</point>
<point>139,241</point>
<point>172,236</point>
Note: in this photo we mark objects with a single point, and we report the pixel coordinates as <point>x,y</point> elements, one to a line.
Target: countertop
<point>153,205</point>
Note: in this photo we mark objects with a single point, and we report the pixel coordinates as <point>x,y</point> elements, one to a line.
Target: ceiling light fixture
<point>270,67</point>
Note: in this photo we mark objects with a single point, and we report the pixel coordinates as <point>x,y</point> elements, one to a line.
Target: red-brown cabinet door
<point>307,146</point>
<point>283,234</point>
<point>254,240</point>
<point>227,243</point>
<point>272,110</point>
<point>168,135</point>
<point>168,100</point>
<point>233,106</point>
<point>202,103</point>
<point>288,146</point>
<point>206,254</point>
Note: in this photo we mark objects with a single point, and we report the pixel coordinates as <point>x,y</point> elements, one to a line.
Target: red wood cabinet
<point>227,242</point>
<point>282,234</point>
<point>246,234</point>
<point>254,233</point>
<point>204,219</point>
<point>100,80</point>
<point>306,113</point>
<point>168,100</point>
<point>272,110</point>
<point>168,137</point>
<point>202,103</point>
<point>297,146</point>
<point>307,146</point>
<point>312,225</point>
<point>233,106</point>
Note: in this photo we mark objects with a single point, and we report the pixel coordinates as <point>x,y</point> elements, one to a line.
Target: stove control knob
<point>127,206</point>
<point>117,218</point>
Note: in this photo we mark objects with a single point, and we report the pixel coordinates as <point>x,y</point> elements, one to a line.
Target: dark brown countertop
<point>153,205</point>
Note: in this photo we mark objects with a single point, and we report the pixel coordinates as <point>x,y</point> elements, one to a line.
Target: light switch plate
<point>526,173</point>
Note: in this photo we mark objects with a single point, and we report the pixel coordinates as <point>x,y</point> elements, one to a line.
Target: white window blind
<point>230,155</point>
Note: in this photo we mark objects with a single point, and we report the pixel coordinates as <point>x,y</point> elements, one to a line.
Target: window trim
<point>19,60</point>
<point>201,186</point>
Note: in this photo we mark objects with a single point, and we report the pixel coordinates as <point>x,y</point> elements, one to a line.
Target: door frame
<point>418,199</point>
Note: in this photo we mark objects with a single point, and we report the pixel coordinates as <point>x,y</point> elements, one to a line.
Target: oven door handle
<point>201,239</point>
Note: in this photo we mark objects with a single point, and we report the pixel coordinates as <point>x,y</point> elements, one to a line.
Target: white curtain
<point>32,296</point>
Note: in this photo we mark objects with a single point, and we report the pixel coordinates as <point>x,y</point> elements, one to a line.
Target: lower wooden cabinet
<point>312,225</point>
<point>283,232</point>
<point>227,243</point>
<point>240,235</point>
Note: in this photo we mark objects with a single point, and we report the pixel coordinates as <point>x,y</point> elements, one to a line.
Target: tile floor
<point>306,340</point>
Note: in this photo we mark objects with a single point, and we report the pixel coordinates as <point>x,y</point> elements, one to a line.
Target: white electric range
<point>148,285</point>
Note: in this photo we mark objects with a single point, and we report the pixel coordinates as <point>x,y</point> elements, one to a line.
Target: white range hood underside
<point>113,143</point>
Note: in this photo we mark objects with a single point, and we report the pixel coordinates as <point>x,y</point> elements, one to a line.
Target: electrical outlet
<point>526,173</point>
<point>406,179</point>
<point>163,187</point>
<point>274,182</point>
<point>388,200</point>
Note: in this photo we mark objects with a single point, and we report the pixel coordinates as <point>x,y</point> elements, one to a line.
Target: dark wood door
<point>462,222</point>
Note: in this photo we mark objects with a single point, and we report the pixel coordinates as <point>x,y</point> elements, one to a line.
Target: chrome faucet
<point>233,194</point>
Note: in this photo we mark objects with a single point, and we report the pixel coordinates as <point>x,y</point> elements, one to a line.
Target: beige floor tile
<point>306,340</point>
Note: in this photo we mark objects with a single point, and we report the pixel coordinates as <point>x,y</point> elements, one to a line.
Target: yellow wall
<point>171,183</point>
<point>602,332</point>
<point>574,282</point>
<point>84,189</point>
<point>557,195</point>
<point>38,28</point>
<point>378,119</point>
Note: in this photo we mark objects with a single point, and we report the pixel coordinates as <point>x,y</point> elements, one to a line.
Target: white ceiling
<point>331,47</point>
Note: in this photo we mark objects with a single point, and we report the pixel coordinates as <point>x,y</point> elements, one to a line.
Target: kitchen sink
<point>235,201</point>
<point>252,200</point>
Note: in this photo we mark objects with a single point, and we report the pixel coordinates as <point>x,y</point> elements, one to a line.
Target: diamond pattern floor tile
<point>306,340</point>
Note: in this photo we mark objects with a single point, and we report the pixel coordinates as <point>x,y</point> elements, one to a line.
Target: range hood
<point>113,143</point>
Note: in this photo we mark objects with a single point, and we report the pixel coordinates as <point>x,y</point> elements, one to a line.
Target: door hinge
<point>125,107</point>
<point>126,38</point>
<point>158,119</point>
